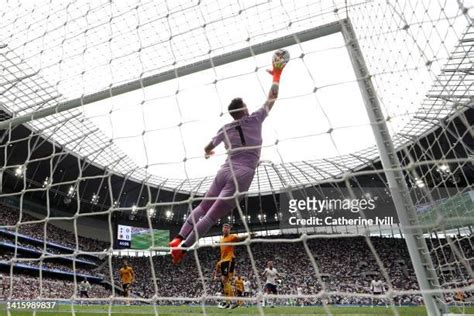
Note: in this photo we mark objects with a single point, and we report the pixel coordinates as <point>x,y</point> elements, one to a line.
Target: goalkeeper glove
<point>276,71</point>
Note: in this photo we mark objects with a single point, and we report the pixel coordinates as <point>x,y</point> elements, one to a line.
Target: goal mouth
<point>363,194</point>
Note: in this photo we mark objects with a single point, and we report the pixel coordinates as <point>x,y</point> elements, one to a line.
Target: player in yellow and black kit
<point>239,288</point>
<point>226,265</point>
<point>126,277</point>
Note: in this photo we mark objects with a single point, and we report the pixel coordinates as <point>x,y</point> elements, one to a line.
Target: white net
<point>106,107</point>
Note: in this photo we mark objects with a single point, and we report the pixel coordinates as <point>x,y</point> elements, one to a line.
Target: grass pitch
<point>120,310</point>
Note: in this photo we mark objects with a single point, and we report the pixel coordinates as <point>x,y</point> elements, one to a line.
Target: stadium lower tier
<point>345,269</point>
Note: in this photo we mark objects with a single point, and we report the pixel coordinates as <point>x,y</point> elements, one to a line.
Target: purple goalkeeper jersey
<point>243,139</point>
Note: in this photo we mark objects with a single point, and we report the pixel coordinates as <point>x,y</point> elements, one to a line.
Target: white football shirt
<point>247,286</point>
<point>271,275</point>
<point>376,286</point>
<point>299,290</point>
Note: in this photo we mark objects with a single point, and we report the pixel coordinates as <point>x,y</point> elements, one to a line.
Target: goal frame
<point>413,235</point>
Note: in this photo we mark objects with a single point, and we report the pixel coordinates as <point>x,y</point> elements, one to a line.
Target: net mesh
<point>106,107</point>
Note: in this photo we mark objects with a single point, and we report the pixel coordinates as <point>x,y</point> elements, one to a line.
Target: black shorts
<point>84,294</point>
<point>239,293</point>
<point>126,286</point>
<point>271,288</point>
<point>227,267</point>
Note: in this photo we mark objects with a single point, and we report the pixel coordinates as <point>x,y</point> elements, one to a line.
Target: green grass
<point>119,310</point>
<point>457,210</point>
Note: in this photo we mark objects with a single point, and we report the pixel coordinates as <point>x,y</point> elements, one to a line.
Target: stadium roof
<point>61,51</point>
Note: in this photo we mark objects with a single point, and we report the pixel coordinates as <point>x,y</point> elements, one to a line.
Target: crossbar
<point>208,63</point>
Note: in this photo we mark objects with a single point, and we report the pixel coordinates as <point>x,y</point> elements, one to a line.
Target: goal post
<point>412,233</point>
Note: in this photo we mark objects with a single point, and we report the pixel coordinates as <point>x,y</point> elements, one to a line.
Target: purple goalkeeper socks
<point>197,213</point>
<point>202,227</point>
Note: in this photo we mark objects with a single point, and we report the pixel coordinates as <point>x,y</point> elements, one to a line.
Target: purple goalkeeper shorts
<point>229,181</point>
<point>219,200</point>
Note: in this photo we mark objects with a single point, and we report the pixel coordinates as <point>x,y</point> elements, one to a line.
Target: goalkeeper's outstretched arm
<point>272,95</point>
<point>274,89</point>
<point>271,98</point>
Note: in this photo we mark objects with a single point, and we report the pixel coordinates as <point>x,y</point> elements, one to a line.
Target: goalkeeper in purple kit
<point>243,141</point>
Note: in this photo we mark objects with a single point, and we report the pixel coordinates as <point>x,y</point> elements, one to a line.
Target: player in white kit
<point>377,288</point>
<point>84,288</point>
<point>270,274</point>
<point>247,290</point>
<point>299,291</point>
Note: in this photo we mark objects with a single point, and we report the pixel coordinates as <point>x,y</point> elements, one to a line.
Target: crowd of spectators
<point>345,266</point>
<point>11,216</point>
<point>7,256</point>
<point>29,287</point>
<point>48,251</point>
<point>342,266</point>
<point>337,267</point>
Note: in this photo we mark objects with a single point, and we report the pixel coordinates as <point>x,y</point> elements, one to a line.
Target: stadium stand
<point>345,265</point>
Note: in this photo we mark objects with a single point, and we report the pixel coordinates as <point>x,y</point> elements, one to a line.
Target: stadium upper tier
<point>59,56</point>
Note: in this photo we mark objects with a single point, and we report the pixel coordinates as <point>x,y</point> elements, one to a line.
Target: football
<point>280,58</point>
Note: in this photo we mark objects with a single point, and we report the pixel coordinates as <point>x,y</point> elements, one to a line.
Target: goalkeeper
<point>243,140</point>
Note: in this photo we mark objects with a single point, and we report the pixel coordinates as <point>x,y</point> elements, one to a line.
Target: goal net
<point>365,173</point>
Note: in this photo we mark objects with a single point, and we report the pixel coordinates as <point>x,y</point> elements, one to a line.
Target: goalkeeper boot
<point>175,242</point>
<point>177,255</point>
